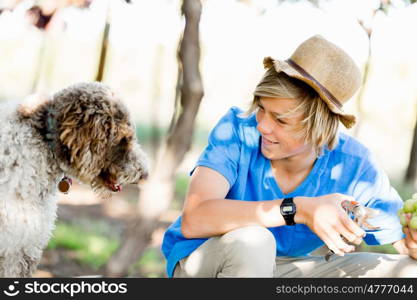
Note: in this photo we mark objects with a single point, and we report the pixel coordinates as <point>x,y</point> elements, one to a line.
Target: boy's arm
<point>207,213</point>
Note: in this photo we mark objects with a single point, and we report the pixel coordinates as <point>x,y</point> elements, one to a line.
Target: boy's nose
<point>264,126</point>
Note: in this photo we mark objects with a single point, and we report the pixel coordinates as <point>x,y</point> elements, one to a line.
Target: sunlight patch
<point>337,172</point>
<point>251,137</point>
<point>224,131</point>
<point>193,263</point>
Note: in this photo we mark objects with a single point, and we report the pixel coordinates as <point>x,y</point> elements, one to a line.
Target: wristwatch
<point>288,210</point>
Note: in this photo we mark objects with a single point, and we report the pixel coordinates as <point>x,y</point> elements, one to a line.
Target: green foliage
<point>151,264</point>
<point>200,137</point>
<point>388,249</point>
<point>181,185</point>
<point>146,133</point>
<point>89,248</point>
<point>405,190</point>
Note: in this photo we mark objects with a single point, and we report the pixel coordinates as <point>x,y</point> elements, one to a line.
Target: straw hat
<point>327,69</point>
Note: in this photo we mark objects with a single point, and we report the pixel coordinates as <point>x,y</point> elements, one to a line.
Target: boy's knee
<point>251,240</point>
<point>250,252</point>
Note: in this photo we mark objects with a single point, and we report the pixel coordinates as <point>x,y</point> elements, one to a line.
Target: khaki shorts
<point>250,252</point>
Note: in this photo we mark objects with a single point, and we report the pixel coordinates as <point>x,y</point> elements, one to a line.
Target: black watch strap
<point>288,211</point>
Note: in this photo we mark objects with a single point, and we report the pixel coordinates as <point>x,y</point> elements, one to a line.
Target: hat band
<point>322,88</point>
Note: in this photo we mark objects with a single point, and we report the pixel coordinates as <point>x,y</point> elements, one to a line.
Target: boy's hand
<point>326,217</point>
<point>410,238</point>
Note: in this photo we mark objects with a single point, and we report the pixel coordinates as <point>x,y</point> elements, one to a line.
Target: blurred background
<point>132,46</point>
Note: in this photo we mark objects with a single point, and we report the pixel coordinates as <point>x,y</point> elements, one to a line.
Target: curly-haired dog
<point>83,131</point>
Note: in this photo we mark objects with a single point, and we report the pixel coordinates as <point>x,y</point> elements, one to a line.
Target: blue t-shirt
<point>234,151</point>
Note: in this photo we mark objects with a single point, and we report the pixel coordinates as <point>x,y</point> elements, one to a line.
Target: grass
<point>387,249</point>
<point>91,243</point>
<point>93,248</point>
<point>89,248</point>
<point>151,264</point>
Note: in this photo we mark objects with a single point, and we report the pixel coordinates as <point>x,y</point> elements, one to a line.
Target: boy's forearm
<point>218,216</point>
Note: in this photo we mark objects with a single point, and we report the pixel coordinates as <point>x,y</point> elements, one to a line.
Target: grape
<point>413,222</point>
<point>409,205</point>
<point>409,209</point>
<point>400,212</point>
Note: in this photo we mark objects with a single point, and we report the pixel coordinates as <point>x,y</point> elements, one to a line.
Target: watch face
<point>288,209</point>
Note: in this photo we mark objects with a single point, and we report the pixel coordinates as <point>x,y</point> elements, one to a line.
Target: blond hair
<point>319,125</point>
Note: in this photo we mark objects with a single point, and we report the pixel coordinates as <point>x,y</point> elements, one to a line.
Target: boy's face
<point>279,138</point>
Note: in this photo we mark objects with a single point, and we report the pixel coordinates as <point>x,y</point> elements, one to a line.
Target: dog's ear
<point>87,135</point>
<point>33,108</point>
<point>32,103</point>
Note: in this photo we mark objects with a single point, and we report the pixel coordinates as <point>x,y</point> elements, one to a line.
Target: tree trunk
<point>359,99</point>
<point>158,191</point>
<point>155,137</point>
<point>411,173</point>
<point>365,77</point>
<point>104,46</point>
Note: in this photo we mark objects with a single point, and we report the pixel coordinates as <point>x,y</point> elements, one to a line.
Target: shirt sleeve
<point>374,190</point>
<point>223,150</point>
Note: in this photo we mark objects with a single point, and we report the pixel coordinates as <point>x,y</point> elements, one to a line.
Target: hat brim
<point>282,66</point>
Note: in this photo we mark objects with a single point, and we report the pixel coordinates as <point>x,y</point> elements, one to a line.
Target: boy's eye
<point>260,107</point>
<point>281,121</point>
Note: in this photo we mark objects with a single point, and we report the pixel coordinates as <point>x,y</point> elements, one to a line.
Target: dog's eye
<point>124,141</point>
<point>120,150</point>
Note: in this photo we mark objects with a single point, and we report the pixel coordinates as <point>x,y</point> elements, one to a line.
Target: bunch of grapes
<point>409,207</point>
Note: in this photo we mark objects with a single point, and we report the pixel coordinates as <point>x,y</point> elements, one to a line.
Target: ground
<point>83,210</point>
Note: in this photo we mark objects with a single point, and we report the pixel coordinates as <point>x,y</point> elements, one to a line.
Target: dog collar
<point>51,130</point>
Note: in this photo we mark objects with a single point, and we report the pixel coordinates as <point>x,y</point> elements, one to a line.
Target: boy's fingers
<point>353,227</point>
<point>411,237</point>
<point>413,234</point>
<point>351,238</point>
